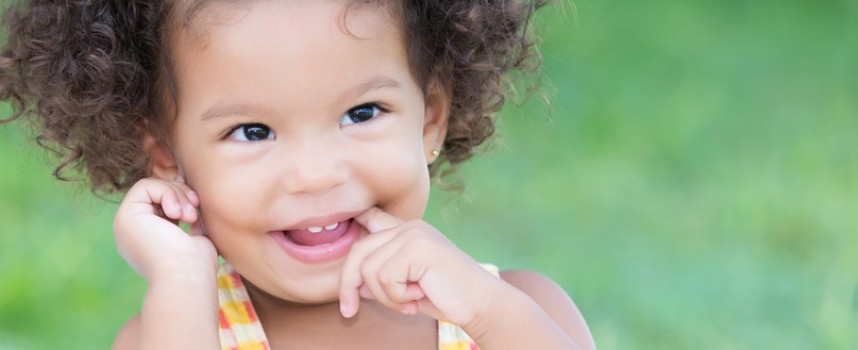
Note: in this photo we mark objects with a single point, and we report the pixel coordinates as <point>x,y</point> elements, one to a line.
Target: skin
<point>290,68</point>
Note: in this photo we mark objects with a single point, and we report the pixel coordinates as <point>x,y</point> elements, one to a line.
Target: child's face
<point>271,134</point>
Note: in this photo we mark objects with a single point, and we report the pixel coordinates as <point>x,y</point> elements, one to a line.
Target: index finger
<point>376,220</point>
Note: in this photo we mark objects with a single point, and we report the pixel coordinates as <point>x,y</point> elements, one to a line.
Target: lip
<point>320,253</point>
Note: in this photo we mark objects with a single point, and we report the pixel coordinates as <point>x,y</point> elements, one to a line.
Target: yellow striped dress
<point>239,327</point>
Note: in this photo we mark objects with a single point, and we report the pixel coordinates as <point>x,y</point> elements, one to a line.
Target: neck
<point>276,312</point>
<point>311,325</point>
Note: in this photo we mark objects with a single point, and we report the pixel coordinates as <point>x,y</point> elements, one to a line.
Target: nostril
<point>313,180</point>
<point>313,167</point>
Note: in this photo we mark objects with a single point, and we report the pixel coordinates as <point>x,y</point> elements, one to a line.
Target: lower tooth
<point>332,226</point>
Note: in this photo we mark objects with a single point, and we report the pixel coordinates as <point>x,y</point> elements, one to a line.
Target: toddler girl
<point>297,139</point>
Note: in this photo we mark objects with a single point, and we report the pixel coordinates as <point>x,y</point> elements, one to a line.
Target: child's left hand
<point>411,267</point>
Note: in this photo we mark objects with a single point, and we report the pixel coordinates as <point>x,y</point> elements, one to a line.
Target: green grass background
<point>694,186</point>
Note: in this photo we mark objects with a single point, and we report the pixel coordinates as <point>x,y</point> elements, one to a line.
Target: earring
<point>436,152</point>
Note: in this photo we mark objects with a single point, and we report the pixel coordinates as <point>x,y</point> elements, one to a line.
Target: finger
<point>192,195</point>
<point>196,229</point>
<point>165,197</point>
<point>189,212</point>
<point>403,292</point>
<point>414,292</point>
<point>426,307</point>
<point>408,308</point>
<point>145,197</point>
<point>374,281</point>
<point>397,296</point>
<point>389,275</point>
<point>351,278</point>
<point>188,209</point>
<point>376,220</point>
<point>349,301</point>
<point>400,277</point>
<point>364,292</point>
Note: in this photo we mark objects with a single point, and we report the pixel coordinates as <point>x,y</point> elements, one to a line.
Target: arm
<point>180,307</point>
<point>173,318</point>
<point>411,267</point>
<point>129,336</point>
<point>536,314</point>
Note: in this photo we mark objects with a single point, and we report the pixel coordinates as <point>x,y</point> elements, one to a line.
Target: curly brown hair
<point>94,76</point>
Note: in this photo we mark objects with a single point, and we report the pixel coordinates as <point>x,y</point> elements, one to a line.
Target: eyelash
<point>376,110</point>
<point>234,131</point>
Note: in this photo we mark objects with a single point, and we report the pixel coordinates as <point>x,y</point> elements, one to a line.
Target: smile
<point>319,244</point>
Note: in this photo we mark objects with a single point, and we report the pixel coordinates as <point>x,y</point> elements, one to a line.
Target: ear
<point>436,116</point>
<point>162,164</point>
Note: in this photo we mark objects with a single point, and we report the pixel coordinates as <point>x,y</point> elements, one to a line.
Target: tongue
<point>307,238</point>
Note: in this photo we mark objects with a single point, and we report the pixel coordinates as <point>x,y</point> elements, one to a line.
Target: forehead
<point>195,17</point>
<point>200,22</point>
<point>274,52</point>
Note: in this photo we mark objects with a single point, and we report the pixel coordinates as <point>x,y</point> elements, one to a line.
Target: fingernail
<point>408,310</point>
<point>344,310</point>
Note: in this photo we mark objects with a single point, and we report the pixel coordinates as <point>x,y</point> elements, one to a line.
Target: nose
<point>313,168</point>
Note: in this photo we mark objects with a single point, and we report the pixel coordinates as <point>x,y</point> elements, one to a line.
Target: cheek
<point>401,184</point>
<point>228,201</point>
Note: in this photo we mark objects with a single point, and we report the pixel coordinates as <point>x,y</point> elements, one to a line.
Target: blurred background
<point>694,184</point>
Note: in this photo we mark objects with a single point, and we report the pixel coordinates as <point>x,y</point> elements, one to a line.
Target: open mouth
<point>320,235</point>
<point>317,244</point>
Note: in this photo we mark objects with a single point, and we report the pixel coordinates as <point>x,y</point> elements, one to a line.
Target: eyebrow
<point>220,111</point>
<point>376,83</point>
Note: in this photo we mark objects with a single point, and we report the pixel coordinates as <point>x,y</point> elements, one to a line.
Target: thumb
<point>376,220</point>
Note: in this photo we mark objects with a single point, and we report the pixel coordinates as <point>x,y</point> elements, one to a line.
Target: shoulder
<point>129,336</point>
<point>554,302</point>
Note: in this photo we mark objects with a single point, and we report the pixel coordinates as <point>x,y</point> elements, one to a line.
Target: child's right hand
<point>180,268</point>
<point>148,236</point>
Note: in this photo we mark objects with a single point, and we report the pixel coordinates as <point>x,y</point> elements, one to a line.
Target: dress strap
<point>238,326</point>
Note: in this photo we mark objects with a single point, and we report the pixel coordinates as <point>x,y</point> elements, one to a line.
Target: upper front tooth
<point>314,229</point>
<point>332,226</point>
